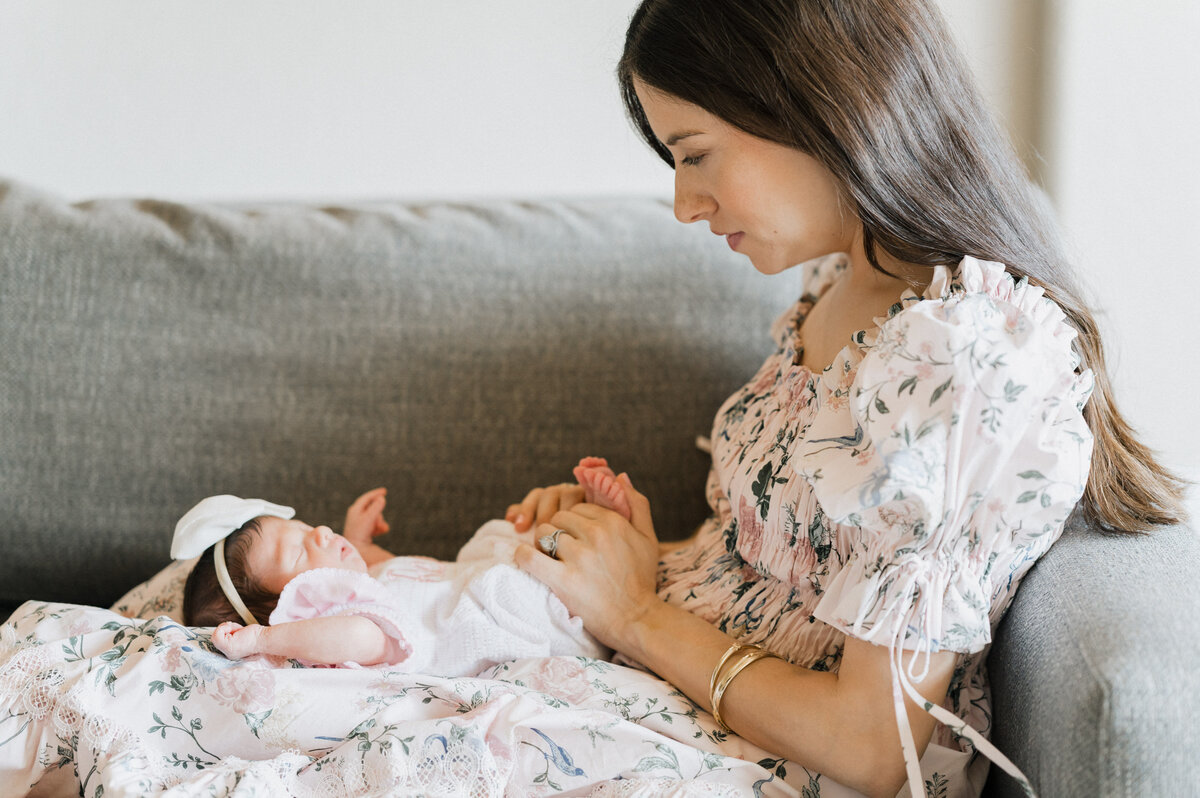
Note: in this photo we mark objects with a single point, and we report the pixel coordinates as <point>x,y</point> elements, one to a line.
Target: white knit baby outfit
<point>448,618</point>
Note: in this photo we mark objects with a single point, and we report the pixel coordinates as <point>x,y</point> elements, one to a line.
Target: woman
<point>927,423</point>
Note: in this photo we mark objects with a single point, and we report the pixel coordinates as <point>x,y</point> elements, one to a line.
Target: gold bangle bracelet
<point>754,654</point>
<point>712,680</point>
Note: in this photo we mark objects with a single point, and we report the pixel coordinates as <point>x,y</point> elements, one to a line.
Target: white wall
<point>311,99</point>
<point>303,98</point>
<point>1123,155</point>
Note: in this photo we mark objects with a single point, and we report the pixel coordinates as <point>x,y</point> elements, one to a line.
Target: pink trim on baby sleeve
<point>331,592</point>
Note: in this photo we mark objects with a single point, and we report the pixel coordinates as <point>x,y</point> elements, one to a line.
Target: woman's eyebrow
<point>678,137</point>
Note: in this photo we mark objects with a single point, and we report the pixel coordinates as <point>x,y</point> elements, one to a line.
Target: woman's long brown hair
<point>878,93</point>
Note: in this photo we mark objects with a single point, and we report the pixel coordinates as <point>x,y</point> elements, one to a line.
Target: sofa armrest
<point>1094,670</point>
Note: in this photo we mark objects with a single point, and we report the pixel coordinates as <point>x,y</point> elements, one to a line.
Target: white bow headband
<point>208,524</point>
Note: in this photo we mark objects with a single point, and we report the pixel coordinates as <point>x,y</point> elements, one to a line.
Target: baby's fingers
<point>222,638</point>
<point>365,501</point>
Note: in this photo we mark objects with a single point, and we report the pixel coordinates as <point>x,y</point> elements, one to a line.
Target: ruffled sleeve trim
<point>330,592</point>
<point>974,276</point>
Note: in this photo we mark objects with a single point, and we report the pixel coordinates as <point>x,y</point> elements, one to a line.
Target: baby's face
<point>288,548</point>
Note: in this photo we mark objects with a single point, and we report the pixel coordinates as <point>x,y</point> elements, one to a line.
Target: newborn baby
<point>310,594</point>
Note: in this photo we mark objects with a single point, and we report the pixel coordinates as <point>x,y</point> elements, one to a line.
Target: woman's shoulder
<point>978,303</point>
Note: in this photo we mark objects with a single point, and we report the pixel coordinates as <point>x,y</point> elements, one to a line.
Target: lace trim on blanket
<point>32,683</point>
<point>663,788</point>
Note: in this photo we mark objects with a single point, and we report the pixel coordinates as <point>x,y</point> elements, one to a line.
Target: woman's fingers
<point>546,507</point>
<point>639,505</point>
<point>541,567</point>
<point>583,521</point>
<point>595,519</point>
<point>521,515</point>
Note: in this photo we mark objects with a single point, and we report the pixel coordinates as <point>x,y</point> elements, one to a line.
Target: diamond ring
<point>549,543</point>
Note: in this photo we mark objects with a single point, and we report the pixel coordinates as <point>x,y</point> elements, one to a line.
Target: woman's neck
<point>864,280</point>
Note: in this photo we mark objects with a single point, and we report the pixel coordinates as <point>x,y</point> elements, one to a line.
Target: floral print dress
<point>898,496</point>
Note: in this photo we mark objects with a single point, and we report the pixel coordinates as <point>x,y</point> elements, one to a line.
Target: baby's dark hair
<point>205,604</point>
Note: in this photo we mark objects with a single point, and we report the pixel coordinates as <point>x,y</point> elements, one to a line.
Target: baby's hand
<point>236,641</point>
<point>364,519</point>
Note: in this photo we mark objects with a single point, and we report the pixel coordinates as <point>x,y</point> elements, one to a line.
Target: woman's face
<point>288,548</point>
<point>774,204</point>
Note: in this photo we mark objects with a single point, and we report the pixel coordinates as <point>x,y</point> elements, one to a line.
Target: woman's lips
<point>733,239</point>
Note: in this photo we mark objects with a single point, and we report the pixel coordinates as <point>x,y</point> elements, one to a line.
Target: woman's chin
<point>766,265</point>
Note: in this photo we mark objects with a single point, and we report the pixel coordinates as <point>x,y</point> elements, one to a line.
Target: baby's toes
<point>593,462</point>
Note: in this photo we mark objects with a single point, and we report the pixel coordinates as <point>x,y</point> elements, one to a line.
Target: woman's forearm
<point>809,717</point>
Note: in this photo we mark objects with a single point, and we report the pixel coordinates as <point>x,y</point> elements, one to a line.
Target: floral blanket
<point>98,704</point>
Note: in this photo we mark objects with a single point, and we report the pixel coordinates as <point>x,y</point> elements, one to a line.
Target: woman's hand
<point>236,641</point>
<point>605,569</point>
<point>540,505</point>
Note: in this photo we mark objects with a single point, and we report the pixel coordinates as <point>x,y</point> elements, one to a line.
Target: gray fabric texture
<point>153,353</point>
<point>1094,670</point>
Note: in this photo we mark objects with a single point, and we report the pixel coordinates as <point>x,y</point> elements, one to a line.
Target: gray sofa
<point>152,353</point>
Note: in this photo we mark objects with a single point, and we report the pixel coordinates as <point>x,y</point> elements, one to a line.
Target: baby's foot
<point>600,486</point>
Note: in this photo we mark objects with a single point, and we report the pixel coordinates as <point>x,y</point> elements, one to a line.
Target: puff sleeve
<point>960,439</point>
<point>325,592</point>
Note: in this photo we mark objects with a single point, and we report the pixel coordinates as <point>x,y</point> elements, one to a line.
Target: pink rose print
<point>501,751</point>
<point>900,516</point>
<point>766,379</point>
<point>562,677</point>
<point>750,532</point>
<point>79,626</point>
<point>245,689</point>
<point>173,658</point>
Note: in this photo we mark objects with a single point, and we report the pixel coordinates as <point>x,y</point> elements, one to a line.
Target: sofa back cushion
<point>153,353</point>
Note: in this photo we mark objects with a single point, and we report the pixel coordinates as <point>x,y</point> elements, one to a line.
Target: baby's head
<point>261,547</point>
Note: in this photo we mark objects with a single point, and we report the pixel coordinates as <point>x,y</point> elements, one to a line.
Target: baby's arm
<point>364,521</point>
<point>325,641</point>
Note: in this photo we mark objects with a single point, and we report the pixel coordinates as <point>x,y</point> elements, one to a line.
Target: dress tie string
<point>909,572</point>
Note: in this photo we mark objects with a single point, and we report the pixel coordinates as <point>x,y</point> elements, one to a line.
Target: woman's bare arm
<point>842,725</point>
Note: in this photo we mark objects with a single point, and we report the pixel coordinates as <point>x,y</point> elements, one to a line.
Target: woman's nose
<point>691,203</point>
